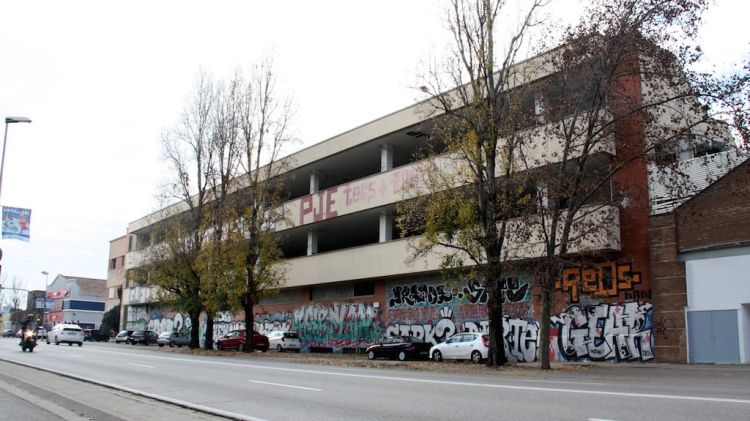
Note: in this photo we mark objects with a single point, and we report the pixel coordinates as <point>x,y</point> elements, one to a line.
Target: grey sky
<point>102,80</point>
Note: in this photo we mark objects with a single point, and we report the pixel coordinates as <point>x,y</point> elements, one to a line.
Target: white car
<point>65,333</point>
<point>283,341</point>
<point>463,346</point>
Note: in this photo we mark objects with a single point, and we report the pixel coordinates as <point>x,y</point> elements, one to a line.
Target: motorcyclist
<point>28,324</point>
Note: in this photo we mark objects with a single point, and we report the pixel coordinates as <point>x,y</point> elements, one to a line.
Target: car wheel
<point>371,355</point>
<point>241,347</point>
<point>23,349</point>
<point>476,357</point>
<point>70,343</point>
<point>437,356</point>
<point>80,343</point>
<point>161,345</point>
<point>402,356</point>
<point>297,350</point>
<point>57,342</point>
<point>132,342</point>
<point>279,348</point>
<point>171,344</point>
<point>47,341</point>
<point>219,346</point>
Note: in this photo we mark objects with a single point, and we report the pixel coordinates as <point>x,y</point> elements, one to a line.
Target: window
<point>112,263</point>
<point>364,288</point>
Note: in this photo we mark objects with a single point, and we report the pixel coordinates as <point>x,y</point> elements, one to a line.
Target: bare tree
<point>173,263</point>
<point>470,193</point>
<point>620,96</point>
<point>264,132</point>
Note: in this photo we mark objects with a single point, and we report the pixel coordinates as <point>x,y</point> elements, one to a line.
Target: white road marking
<point>443,382</point>
<point>287,385</point>
<point>563,382</point>
<point>74,356</point>
<point>141,365</point>
<point>599,419</point>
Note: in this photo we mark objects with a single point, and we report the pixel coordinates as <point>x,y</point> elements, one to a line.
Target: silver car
<point>66,333</point>
<point>463,346</point>
<point>283,341</point>
<point>173,339</point>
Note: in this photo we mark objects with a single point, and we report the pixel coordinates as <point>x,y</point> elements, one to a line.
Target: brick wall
<point>669,291</point>
<point>719,215</point>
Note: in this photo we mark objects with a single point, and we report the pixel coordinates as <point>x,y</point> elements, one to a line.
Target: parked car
<point>144,337</point>
<point>284,341</point>
<point>65,333</point>
<point>462,346</point>
<point>94,335</point>
<point>401,347</point>
<point>237,339</point>
<point>173,339</point>
<point>123,336</point>
<point>8,333</point>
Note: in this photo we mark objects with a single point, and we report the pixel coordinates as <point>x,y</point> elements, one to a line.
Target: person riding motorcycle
<point>28,325</point>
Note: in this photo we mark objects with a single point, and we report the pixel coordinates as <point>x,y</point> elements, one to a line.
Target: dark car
<point>94,335</point>
<point>401,347</point>
<point>237,339</point>
<point>123,336</point>
<point>144,337</point>
<point>8,333</point>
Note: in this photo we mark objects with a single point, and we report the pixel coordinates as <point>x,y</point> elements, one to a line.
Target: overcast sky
<point>102,80</point>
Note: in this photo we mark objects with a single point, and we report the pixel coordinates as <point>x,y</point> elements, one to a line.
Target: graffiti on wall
<point>619,332</point>
<point>333,327</point>
<point>603,280</point>
<point>513,291</point>
<point>160,320</point>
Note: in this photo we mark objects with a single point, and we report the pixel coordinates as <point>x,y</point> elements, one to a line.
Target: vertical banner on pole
<point>16,223</point>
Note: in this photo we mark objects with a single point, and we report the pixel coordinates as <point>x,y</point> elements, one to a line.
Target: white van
<point>66,333</point>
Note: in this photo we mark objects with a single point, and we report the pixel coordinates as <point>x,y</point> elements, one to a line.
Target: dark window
<point>364,288</point>
<point>112,263</point>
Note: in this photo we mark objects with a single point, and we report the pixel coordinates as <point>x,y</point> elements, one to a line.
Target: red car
<point>237,339</point>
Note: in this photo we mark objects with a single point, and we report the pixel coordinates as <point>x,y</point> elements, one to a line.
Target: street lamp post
<point>44,305</point>
<point>9,120</point>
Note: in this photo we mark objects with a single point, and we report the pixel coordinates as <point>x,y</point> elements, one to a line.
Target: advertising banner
<point>16,223</point>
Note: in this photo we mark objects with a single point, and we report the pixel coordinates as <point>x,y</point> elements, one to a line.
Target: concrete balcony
<point>596,229</point>
<point>543,146</point>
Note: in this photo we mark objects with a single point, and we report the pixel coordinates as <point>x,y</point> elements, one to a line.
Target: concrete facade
<point>349,281</point>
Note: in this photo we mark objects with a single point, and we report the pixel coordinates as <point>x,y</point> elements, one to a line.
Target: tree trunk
<point>195,329</point>
<point>497,355</point>
<point>249,324</point>
<point>209,343</point>
<point>544,324</point>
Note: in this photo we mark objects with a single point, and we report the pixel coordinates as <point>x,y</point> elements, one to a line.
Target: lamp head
<point>17,120</point>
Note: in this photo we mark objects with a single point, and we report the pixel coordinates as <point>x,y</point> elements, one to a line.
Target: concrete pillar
<point>312,243</point>
<point>386,227</point>
<point>386,158</point>
<point>314,182</point>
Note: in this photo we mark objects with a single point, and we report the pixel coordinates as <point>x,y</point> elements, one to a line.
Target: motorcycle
<point>28,341</point>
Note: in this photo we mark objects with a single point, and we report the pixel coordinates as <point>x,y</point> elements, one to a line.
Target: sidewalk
<point>77,400</point>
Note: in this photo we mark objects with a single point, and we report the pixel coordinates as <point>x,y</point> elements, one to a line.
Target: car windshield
<point>412,339</point>
<point>291,335</point>
<point>71,329</point>
<point>165,335</point>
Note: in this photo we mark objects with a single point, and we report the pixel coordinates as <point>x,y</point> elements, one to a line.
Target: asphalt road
<point>274,389</point>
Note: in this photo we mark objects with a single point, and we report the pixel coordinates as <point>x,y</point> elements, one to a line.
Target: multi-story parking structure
<point>350,281</point>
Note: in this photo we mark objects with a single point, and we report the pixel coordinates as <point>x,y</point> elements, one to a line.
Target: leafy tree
<point>472,190</point>
<point>110,321</point>
<point>172,263</point>
<point>264,132</point>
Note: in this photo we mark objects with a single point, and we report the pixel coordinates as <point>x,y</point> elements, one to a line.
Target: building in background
<point>76,300</point>
<point>118,250</point>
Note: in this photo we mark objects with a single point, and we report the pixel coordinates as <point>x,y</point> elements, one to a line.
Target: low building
<point>700,254</point>
<point>76,300</point>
